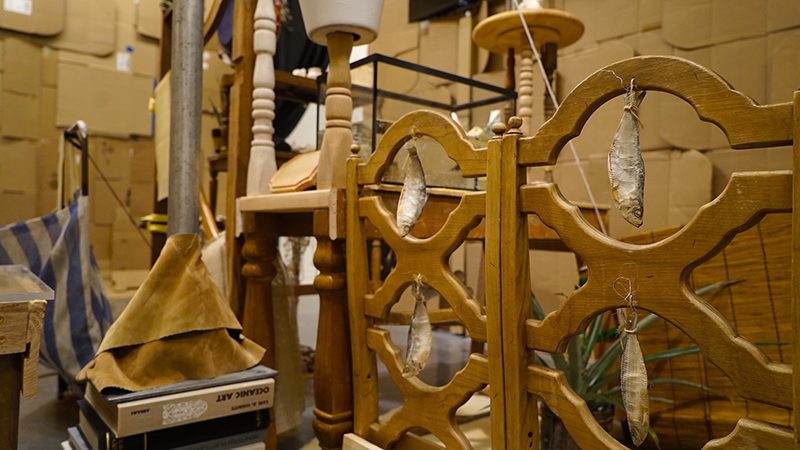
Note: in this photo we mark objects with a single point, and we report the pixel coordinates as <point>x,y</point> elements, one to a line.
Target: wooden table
<point>22,302</point>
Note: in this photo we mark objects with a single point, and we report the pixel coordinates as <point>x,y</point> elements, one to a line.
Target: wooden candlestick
<point>338,113</point>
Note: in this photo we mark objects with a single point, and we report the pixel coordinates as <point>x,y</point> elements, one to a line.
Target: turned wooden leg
<point>259,252</point>
<point>333,391</point>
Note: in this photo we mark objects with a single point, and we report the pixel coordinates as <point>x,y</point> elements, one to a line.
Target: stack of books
<point>227,412</point>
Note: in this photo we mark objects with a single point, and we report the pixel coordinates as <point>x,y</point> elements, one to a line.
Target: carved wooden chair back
<point>661,270</point>
<point>429,407</point>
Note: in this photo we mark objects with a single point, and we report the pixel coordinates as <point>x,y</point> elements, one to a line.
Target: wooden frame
<point>663,268</point>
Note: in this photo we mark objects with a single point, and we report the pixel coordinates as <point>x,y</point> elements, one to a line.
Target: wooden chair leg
<point>333,391</point>
<point>259,252</point>
<point>10,386</point>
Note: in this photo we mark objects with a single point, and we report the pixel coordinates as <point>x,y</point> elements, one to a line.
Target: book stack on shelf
<point>227,412</point>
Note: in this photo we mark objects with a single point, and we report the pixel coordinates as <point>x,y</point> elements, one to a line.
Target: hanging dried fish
<point>413,196</point>
<point>625,164</point>
<point>633,377</point>
<point>420,335</point>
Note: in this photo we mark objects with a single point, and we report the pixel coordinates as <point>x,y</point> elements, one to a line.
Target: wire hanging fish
<point>420,334</point>
<point>413,195</point>
<point>625,164</point>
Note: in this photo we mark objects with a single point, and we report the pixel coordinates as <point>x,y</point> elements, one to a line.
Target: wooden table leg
<point>259,252</point>
<point>333,391</point>
<point>10,386</point>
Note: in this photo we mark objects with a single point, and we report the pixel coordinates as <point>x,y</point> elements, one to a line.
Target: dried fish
<point>625,164</point>
<point>413,196</point>
<point>633,377</point>
<point>420,335</point>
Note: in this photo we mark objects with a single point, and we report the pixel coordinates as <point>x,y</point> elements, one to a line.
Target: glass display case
<point>384,89</point>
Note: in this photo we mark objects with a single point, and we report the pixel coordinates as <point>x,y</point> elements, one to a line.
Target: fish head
<point>633,213</point>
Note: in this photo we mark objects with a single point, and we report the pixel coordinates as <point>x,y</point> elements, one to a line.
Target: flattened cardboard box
<point>727,161</point>
<point>16,206</point>
<point>111,103</point>
<point>18,166</point>
<point>22,66</point>
<point>89,27</point>
<point>40,17</point>
<point>148,18</point>
<point>20,115</point>
<point>132,54</point>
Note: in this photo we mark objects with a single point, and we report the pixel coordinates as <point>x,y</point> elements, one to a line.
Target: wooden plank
<point>796,269</point>
<point>287,202</point>
<point>522,427</point>
<point>751,434</point>
<point>30,360</point>
<point>13,327</point>
<point>297,174</point>
<point>494,289</point>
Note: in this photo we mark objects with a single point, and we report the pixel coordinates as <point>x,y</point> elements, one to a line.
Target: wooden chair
<point>505,324</point>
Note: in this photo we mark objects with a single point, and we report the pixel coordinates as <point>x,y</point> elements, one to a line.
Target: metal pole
<point>185,109</point>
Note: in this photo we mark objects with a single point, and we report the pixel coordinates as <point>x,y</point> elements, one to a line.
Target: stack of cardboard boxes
<point>94,60</point>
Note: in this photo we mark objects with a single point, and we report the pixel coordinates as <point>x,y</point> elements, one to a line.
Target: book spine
<point>179,409</point>
<point>228,442</point>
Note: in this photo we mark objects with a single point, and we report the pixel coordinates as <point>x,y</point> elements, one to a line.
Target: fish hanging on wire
<point>413,195</point>
<point>625,164</point>
<point>633,372</point>
<point>420,334</point>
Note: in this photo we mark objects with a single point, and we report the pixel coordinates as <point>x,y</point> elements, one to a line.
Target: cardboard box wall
<point>39,17</point>
<point>89,27</point>
<point>18,180</point>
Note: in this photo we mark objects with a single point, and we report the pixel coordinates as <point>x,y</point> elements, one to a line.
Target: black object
<point>429,9</point>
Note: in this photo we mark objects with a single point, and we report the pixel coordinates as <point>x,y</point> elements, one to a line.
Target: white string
<point>552,94</point>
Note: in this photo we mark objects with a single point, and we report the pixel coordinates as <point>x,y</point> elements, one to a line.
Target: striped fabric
<point>56,248</point>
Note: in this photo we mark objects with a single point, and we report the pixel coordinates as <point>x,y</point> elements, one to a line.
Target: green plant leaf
<point>575,373</point>
<point>716,287</point>
<point>591,339</point>
<point>651,358</point>
<point>652,433</point>
<point>536,307</point>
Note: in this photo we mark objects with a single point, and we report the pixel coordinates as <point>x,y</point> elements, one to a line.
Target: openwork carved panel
<point>425,406</point>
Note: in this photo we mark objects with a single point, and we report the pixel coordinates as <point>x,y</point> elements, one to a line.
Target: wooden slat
<point>287,202</point>
<point>796,269</point>
<point>746,124</point>
<point>751,434</point>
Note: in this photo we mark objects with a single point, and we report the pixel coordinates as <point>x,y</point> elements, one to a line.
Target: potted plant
<point>597,380</point>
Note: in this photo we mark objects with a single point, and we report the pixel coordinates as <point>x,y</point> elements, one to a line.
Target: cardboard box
<point>47,115</point>
<point>22,67</point>
<point>130,250</point>
<point>18,167</point>
<point>690,24</point>
<point>89,27</point>
<point>613,19</point>
<point>47,176</point>
<point>113,158</point>
<point>148,18</point>
<point>213,71</point>
<point>783,72</point>
<point>397,35</point>
<point>143,163</point>
<point>727,161</point>
<point>100,238</point>
<point>49,67</point>
<point>554,275</point>
<point>438,43</point>
<point>162,120</point>
<point>40,17</point>
<point>20,115</point>
<point>142,199</point>
<point>111,103</point>
<point>16,206</point>
<point>131,54</point>
<point>103,203</point>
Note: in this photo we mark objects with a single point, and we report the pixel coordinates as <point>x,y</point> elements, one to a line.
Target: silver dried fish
<point>625,164</point>
<point>413,195</point>
<point>633,378</point>
<point>420,336</point>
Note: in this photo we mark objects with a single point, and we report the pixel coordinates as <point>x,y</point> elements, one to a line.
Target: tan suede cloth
<point>177,327</point>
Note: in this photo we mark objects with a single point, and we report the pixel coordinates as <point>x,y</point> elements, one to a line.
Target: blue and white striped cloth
<point>56,248</point>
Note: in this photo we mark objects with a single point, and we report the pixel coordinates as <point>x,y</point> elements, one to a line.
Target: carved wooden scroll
<point>429,407</point>
<point>262,164</point>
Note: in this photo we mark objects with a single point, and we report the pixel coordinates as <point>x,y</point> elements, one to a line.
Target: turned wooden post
<point>338,113</point>
<point>525,99</point>
<point>333,392</point>
<point>259,252</point>
<point>262,164</point>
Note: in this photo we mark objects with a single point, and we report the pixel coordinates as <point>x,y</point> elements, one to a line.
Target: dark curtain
<point>293,50</point>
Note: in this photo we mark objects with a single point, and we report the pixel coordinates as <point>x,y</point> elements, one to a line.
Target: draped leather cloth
<point>177,327</point>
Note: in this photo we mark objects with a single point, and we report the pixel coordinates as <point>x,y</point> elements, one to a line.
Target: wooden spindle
<point>262,149</point>
<point>525,99</point>
<point>338,114</point>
